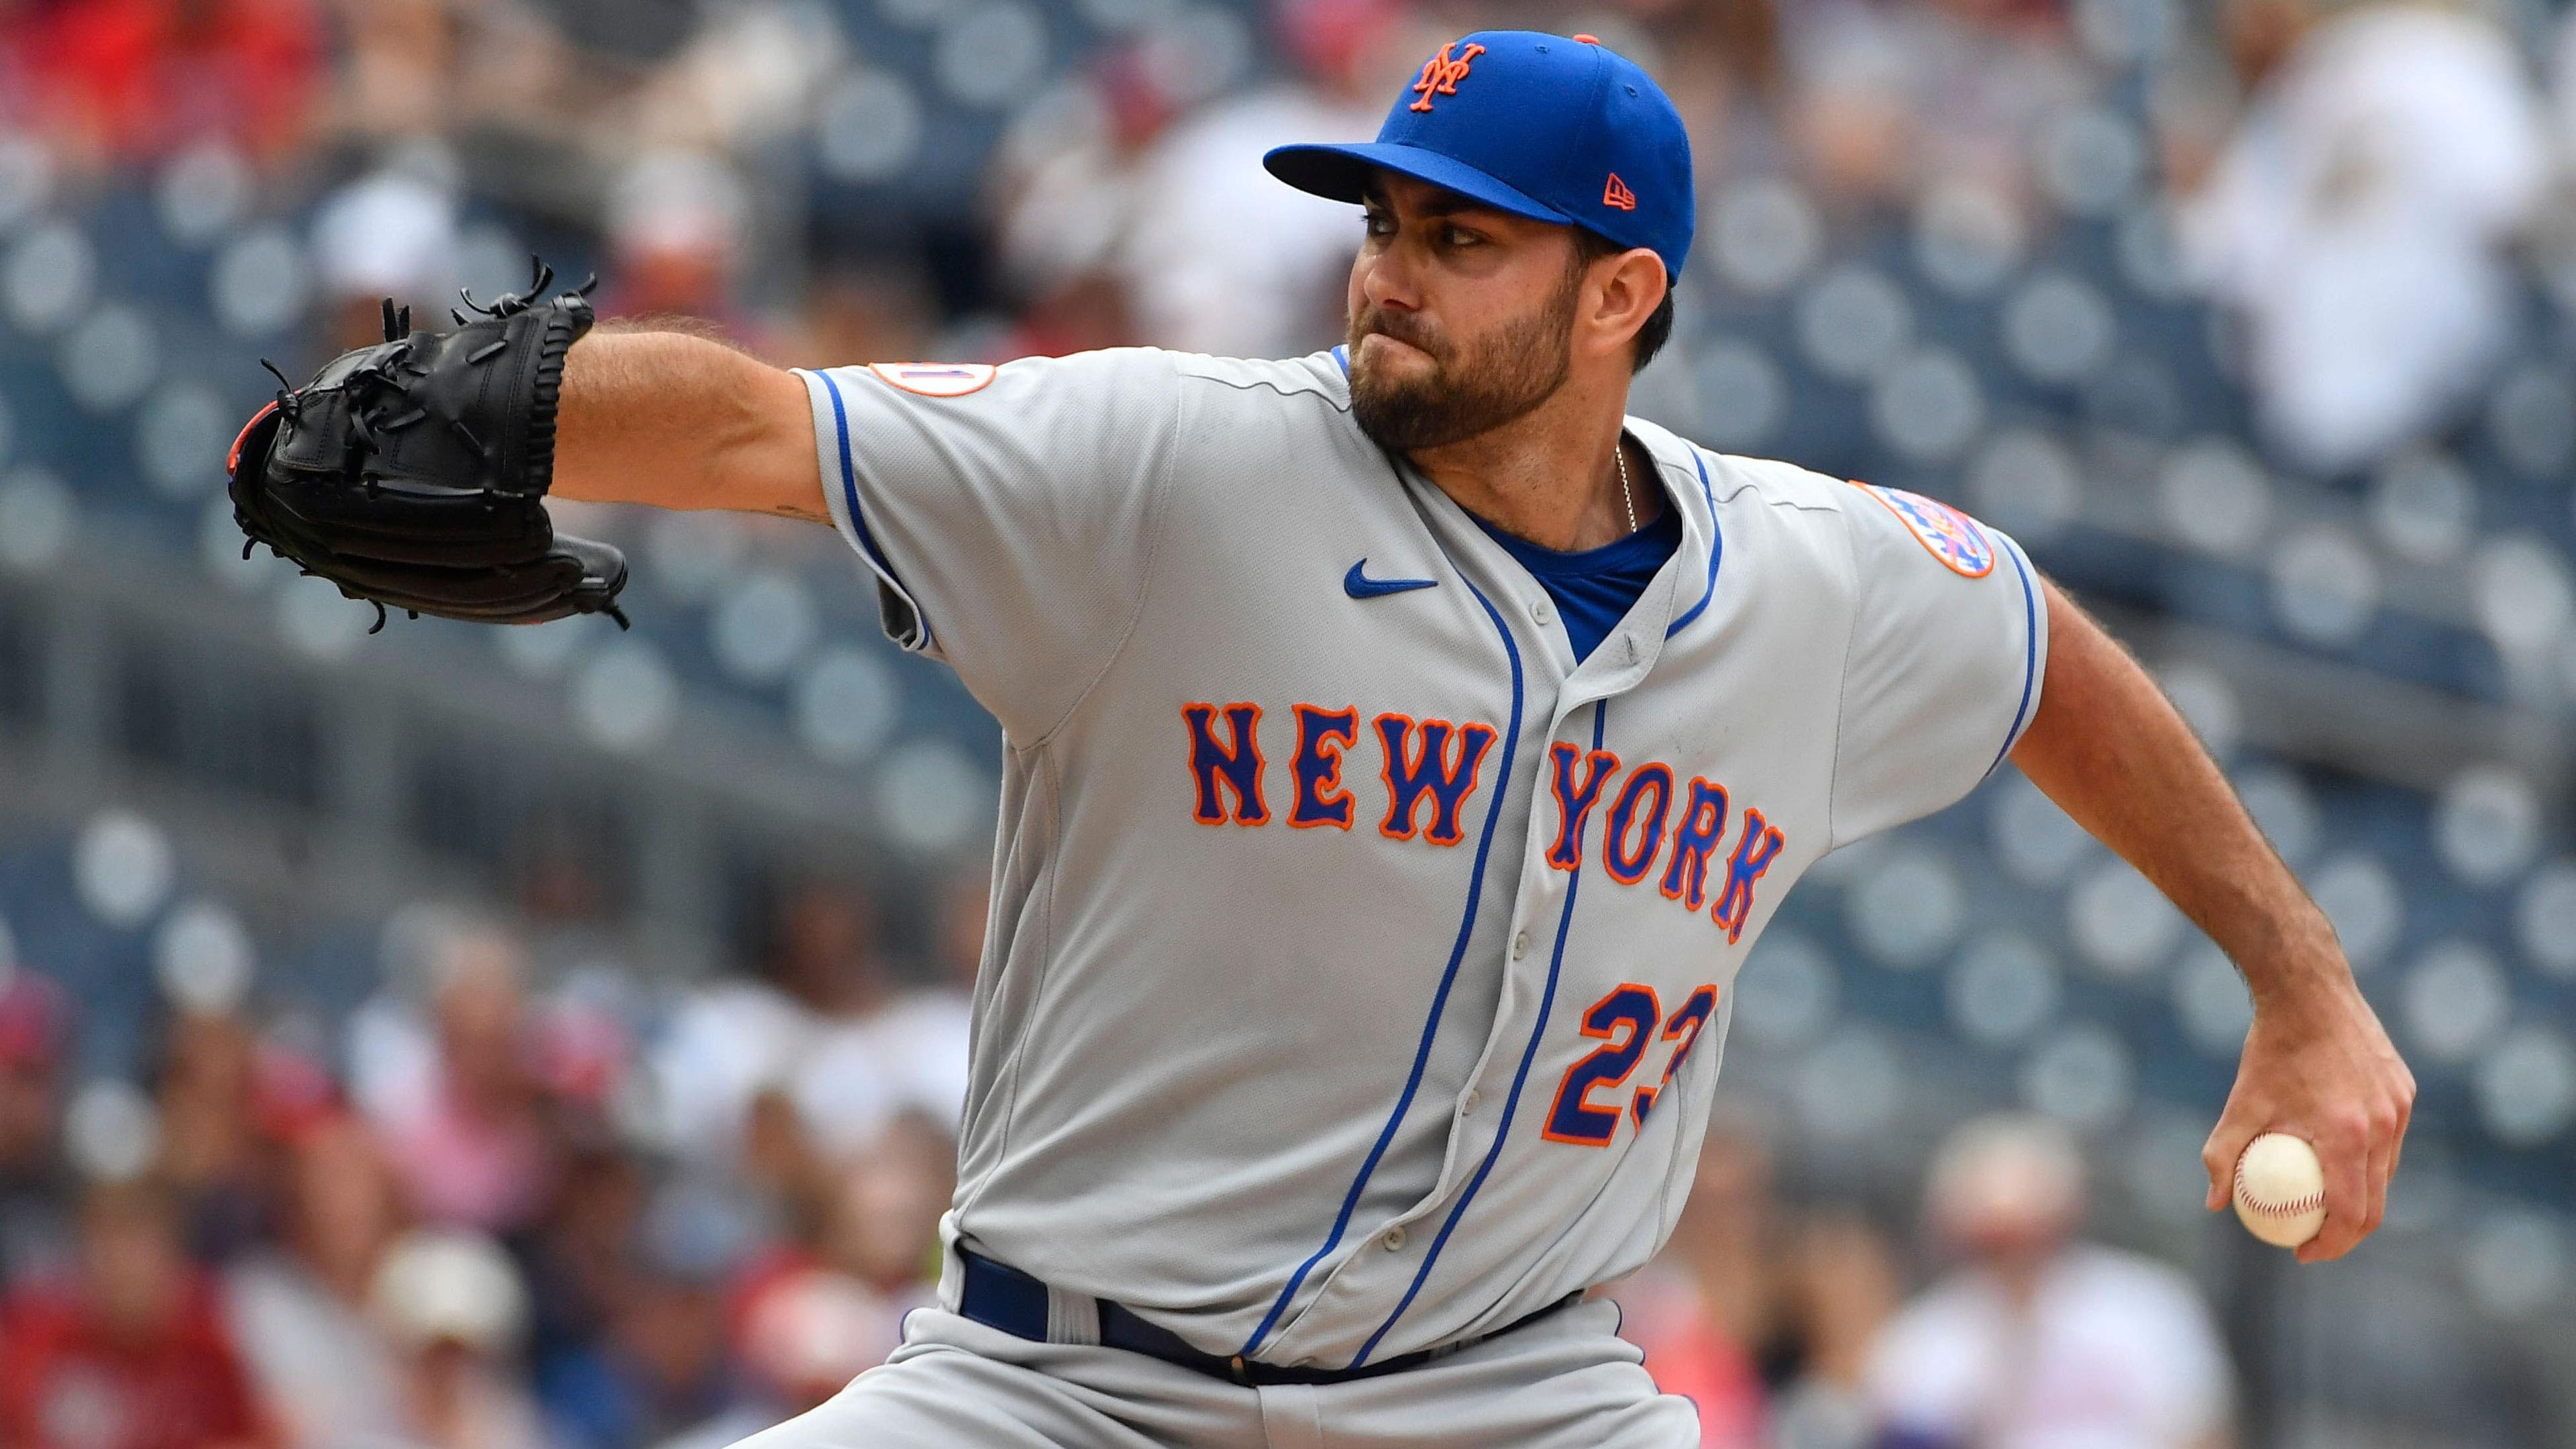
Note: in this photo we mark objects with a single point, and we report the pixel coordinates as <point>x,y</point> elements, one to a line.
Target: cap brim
<point>1341,173</point>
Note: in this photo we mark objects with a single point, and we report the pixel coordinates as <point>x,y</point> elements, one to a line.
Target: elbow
<point>766,460</point>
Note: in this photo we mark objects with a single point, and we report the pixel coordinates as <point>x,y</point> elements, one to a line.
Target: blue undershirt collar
<point>1595,589</point>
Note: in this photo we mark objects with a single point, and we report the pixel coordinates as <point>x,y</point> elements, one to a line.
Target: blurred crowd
<point>499,1215</point>
<point>2350,178</point>
<point>504,1204</point>
<point>510,1208</point>
<point>1790,1320</point>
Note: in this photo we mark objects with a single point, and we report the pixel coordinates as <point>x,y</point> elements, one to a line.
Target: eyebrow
<point>1443,202</point>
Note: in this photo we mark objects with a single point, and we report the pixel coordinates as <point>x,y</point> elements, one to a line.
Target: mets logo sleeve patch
<point>1943,668</point>
<point>1953,537</point>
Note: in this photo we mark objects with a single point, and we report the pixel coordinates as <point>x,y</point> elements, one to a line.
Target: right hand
<point>2318,1065</point>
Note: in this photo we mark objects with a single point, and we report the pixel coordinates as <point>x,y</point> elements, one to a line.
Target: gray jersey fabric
<point>1359,965</point>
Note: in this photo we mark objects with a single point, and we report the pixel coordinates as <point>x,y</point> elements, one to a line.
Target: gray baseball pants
<point>1567,1381</point>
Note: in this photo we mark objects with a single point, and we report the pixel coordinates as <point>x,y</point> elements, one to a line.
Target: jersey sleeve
<point>1004,512</point>
<point>1949,638</point>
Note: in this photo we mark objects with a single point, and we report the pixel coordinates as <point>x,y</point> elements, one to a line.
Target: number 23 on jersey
<point>1626,1022</point>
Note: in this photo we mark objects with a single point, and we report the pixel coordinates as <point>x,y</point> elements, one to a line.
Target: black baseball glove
<point>413,474</point>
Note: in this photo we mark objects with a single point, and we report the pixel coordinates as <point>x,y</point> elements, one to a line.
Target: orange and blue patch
<point>1952,537</point>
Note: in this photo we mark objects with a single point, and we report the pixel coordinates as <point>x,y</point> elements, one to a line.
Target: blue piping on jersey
<point>2030,652</point>
<point>850,494</point>
<point>1511,1103</point>
<point>1716,548</point>
<point>1342,355</point>
<point>1439,998</point>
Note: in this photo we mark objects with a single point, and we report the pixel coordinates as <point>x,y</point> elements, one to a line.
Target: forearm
<point>682,422</point>
<point>2109,749</point>
<point>2113,753</point>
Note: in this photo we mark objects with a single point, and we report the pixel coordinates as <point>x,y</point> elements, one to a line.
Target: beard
<point>1472,389</point>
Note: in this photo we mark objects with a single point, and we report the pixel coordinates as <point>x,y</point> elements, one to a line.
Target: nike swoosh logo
<point>1360,586</point>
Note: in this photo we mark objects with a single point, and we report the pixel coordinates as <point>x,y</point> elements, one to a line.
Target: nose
<point>1385,280</point>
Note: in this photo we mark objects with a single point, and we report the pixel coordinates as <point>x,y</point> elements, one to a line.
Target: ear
<point>1622,293</point>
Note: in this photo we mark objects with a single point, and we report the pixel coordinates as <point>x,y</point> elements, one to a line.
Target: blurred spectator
<point>390,233</point>
<point>300,1311</point>
<point>803,1342</point>
<point>35,1231</point>
<point>121,81</point>
<point>876,1235</point>
<point>664,1363</point>
<point>629,30</point>
<point>1892,100</point>
<point>1761,1316</point>
<point>392,80</point>
<point>922,1034</point>
<point>467,1137</point>
<point>2040,1341</point>
<point>861,313</point>
<point>212,1158</point>
<point>561,872</point>
<point>746,77</point>
<point>885,1052</point>
<point>1694,1309</point>
<point>456,1310</point>
<point>678,226</point>
<point>1844,1285</point>
<point>1723,64</point>
<point>130,1353</point>
<point>881,1223</point>
<point>1218,256</point>
<point>2358,220</point>
<point>805,1030</point>
<point>778,1160</point>
<point>578,1264</point>
<point>1066,184</point>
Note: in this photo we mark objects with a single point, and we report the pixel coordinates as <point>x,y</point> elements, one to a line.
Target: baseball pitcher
<point>1404,749</point>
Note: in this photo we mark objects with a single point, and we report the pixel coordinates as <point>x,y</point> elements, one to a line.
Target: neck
<point>1552,475</point>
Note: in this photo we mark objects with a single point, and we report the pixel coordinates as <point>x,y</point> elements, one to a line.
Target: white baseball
<point>2280,1190</point>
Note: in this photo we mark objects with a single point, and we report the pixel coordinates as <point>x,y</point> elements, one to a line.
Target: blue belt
<point>1000,1296</point>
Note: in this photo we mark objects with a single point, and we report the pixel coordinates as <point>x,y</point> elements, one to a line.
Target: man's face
<point>1461,317</point>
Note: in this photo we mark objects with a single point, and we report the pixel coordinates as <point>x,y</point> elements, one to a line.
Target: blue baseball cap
<point>1541,126</point>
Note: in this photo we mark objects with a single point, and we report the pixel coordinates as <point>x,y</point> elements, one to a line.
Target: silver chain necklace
<point>1627,496</point>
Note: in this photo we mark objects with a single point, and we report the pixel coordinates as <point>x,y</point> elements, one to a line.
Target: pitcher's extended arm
<point>678,421</point>
<point>2111,751</point>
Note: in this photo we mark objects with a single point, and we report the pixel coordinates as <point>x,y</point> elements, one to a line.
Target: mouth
<point>1391,340</point>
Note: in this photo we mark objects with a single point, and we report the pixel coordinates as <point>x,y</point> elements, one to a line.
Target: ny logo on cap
<point>1441,74</point>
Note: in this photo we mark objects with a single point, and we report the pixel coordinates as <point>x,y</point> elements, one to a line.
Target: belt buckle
<point>1241,1371</point>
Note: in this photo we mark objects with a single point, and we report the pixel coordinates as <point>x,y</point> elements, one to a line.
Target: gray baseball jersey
<point>1360,962</point>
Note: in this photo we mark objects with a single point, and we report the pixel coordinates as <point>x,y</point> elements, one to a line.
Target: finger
<point>2345,1150</point>
<point>2405,1119</point>
<point>2226,1144</point>
<point>2388,1147</point>
<point>2382,1162</point>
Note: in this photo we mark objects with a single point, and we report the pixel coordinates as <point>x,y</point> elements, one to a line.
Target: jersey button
<point>1541,612</point>
<point>1520,945</point>
<point>1394,1239</point>
<point>1469,1103</point>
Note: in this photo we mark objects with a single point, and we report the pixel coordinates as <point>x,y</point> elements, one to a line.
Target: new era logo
<point>1617,194</point>
<point>1441,73</point>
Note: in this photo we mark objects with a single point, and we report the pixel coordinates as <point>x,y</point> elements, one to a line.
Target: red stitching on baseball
<point>2311,1203</point>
